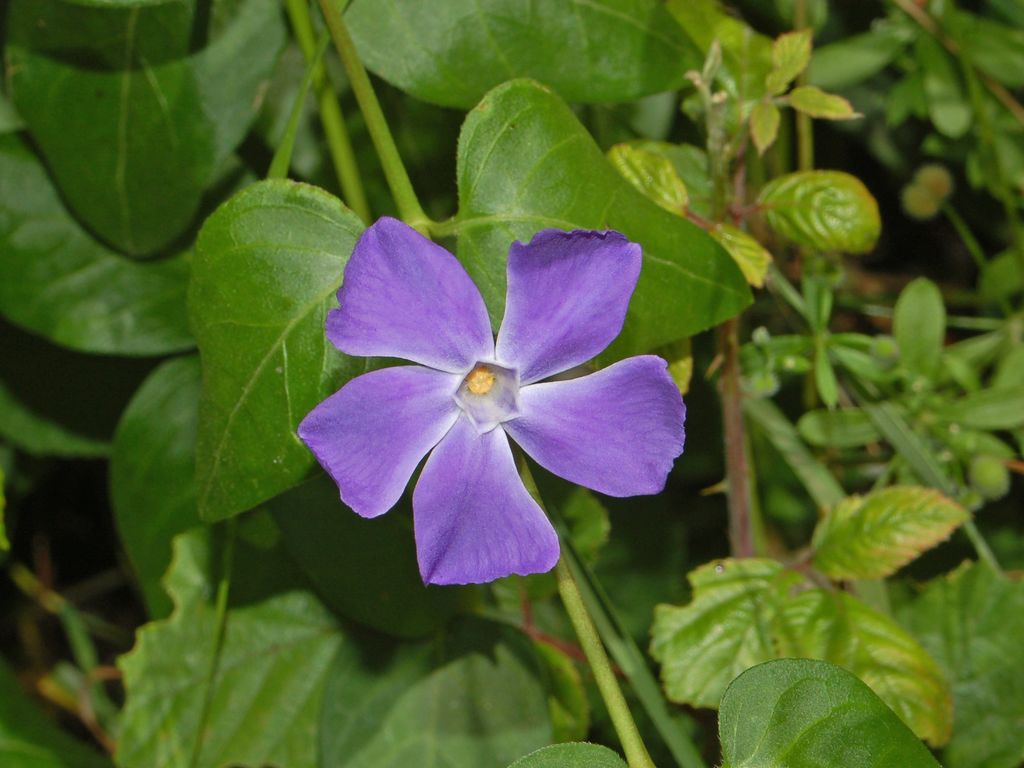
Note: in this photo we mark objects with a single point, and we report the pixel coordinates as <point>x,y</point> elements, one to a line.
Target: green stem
<point>804,127</point>
<point>331,118</point>
<point>622,718</point>
<point>394,171</point>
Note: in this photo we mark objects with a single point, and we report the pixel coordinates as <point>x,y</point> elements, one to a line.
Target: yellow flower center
<point>480,380</point>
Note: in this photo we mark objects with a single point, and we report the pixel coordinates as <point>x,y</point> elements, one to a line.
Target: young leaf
<point>839,628</point>
<point>990,409</point>
<point>750,256</point>
<point>651,174</point>
<point>578,755</point>
<point>846,428</point>
<point>791,53</point>
<point>873,536</point>
<point>798,713</point>
<point>826,210</point>
<point>724,630</point>
<point>526,163</point>
<point>764,125</point>
<point>268,263</point>
<point>58,281</point>
<point>971,622</point>
<point>813,101</point>
<point>478,680</point>
<point>590,51</point>
<point>152,473</point>
<point>272,670</point>
<point>919,325</point>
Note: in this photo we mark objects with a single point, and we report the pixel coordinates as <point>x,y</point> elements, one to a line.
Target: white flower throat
<point>489,395</point>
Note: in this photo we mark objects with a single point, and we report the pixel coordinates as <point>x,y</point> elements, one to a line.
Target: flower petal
<point>371,434</point>
<point>617,431</point>
<point>567,299</point>
<point>475,521</point>
<point>403,296</point>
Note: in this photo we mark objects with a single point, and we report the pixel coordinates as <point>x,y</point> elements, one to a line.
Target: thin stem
<point>981,547</point>
<point>604,676</point>
<point>331,118</point>
<point>804,127</point>
<point>968,238</point>
<point>741,529</point>
<point>394,171</point>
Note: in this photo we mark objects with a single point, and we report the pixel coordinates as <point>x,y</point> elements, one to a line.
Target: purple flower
<point>616,431</point>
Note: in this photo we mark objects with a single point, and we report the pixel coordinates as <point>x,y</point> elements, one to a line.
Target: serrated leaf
<point>826,210</point>
<point>791,53</point>
<point>145,120</point>
<point>470,697</point>
<point>990,409</point>
<point>525,163</point>
<point>873,536</point>
<point>268,263</point>
<point>724,630</point>
<point>813,101</point>
<point>28,739</point>
<point>838,628</point>
<point>797,713</point>
<point>58,281</point>
<point>579,755</point>
<point>269,684</point>
<point>971,622</point>
<point>845,428</point>
<point>764,125</point>
<point>919,325</point>
<point>750,256</point>
<point>586,50</point>
<point>152,473</point>
<point>651,174</point>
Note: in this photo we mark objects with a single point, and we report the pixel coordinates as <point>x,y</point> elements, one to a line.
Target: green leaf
<point>826,210</point>
<point>791,53</point>
<point>525,163</point>
<point>846,428</point>
<point>586,50</point>
<point>990,409</point>
<point>144,124</point>
<point>578,755</point>
<point>797,713</point>
<point>948,106</point>
<point>10,120</point>
<point>750,256</point>
<point>839,628</point>
<point>29,740</point>
<point>567,697</point>
<point>651,174</point>
<point>337,549</point>
<point>679,356</point>
<point>1002,277</point>
<point>971,622</point>
<point>873,536</point>
<point>268,263</point>
<point>152,473</point>
<point>852,60</point>
<point>5,544</point>
<point>813,101</point>
<point>764,125</point>
<point>471,697</point>
<point>919,325</point>
<point>57,281</point>
<point>724,630</point>
<point>268,688</point>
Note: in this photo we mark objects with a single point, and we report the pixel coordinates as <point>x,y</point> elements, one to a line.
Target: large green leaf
<point>56,280</point>
<point>266,694</point>
<point>29,740</point>
<point>152,473</point>
<point>971,621</point>
<point>871,537</point>
<point>919,325</point>
<point>337,549</point>
<point>723,631</point>
<point>525,163</point>
<point>826,210</point>
<point>587,50</point>
<point>144,123</point>
<point>472,697</point>
<point>576,755</point>
<point>267,266</point>
<point>839,628</point>
<point>796,713</point>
